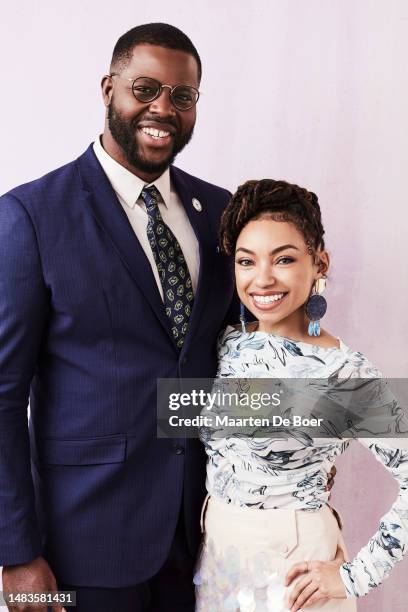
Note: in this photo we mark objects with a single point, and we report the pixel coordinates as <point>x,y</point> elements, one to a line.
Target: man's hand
<point>34,577</point>
<point>340,558</point>
<point>321,580</point>
<point>330,478</point>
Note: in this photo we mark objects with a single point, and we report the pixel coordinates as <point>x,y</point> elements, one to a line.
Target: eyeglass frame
<point>159,91</point>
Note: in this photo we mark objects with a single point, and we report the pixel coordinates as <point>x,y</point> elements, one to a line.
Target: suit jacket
<point>84,334</point>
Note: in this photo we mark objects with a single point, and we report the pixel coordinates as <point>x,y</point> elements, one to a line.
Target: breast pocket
<point>84,311</point>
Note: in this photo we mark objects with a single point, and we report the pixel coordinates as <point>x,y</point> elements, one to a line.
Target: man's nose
<point>163,105</point>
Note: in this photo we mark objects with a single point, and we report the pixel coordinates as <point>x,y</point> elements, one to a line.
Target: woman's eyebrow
<point>273,252</point>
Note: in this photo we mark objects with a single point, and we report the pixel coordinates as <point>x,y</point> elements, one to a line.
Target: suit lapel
<point>110,215</point>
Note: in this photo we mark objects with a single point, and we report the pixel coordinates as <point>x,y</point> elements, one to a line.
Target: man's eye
<point>184,97</point>
<point>143,90</point>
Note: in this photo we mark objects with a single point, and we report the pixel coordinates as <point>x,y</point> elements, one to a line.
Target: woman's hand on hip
<point>320,580</point>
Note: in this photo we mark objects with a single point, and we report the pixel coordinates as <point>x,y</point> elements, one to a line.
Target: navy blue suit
<point>84,334</point>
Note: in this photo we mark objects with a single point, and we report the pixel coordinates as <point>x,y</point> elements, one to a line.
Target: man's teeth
<point>155,133</point>
<point>267,299</point>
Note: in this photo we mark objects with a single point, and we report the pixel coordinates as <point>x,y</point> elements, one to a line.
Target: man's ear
<point>107,89</point>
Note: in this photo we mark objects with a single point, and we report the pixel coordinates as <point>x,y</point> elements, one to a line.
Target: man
<point>110,277</point>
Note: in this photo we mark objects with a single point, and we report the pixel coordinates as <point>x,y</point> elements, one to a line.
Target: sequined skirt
<point>247,552</point>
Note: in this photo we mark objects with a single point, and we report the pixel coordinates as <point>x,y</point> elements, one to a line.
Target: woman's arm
<point>376,406</point>
<point>388,545</point>
<point>330,579</point>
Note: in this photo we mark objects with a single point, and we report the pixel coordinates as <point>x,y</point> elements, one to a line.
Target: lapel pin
<point>197,204</point>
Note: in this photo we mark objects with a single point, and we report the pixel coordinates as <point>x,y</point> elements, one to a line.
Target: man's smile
<point>155,137</point>
<point>156,134</point>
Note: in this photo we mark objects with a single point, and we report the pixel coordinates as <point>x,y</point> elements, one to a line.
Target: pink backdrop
<point>309,90</point>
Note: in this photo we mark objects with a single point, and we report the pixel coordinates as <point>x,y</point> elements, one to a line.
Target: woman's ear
<point>323,263</point>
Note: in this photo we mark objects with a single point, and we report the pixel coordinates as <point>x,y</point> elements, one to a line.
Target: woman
<point>267,522</point>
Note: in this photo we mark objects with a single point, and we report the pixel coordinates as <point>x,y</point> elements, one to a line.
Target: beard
<point>123,131</point>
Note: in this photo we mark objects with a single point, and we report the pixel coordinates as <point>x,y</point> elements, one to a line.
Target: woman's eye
<point>285,260</point>
<point>244,262</point>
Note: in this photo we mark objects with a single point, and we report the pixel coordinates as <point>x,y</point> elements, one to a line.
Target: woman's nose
<point>265,276</point>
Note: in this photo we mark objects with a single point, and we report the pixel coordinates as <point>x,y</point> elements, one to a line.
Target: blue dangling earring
<point>316,307</point>
<point>242,317</point>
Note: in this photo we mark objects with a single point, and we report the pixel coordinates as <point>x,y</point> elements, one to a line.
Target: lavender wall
<point>308,90</point>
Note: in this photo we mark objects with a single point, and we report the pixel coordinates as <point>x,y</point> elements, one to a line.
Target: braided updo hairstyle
<point>278,200</point>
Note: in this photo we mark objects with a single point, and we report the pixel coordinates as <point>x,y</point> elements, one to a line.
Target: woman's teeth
<point>154,133</point>
<point>268,299</point>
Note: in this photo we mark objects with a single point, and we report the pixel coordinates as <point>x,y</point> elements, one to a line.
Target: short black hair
<point>160,34</point>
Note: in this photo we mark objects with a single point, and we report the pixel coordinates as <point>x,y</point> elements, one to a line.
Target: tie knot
<point>150,196</point>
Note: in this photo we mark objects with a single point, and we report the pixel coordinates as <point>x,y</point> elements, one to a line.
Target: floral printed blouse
<point>291,472</point>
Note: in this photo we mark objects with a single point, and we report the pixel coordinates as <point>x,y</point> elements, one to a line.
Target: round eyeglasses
<point>145,89</point>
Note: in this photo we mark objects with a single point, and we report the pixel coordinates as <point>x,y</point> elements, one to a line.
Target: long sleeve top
<point>291,471</point>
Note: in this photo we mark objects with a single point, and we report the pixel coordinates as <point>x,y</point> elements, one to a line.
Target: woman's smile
<point>267,301</point>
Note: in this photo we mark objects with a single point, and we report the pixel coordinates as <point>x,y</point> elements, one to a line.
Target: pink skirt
<point>247,552</point>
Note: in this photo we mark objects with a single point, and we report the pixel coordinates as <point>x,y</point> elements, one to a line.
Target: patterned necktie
<point>172,267</point>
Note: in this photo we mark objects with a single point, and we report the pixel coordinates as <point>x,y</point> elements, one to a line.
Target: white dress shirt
<point>128,188</point>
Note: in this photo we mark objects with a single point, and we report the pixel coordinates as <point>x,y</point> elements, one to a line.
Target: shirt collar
<point>127,185</point>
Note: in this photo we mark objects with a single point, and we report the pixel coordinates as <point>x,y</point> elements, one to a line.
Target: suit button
<point>179,450</point>
<point>183,360</point>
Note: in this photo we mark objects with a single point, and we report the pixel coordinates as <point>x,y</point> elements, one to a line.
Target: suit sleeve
<point>23,312</point>
<point>232,316</point>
